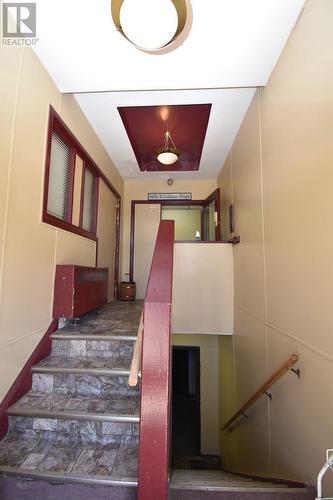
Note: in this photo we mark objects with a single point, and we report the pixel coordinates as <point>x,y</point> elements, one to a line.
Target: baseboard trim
<point>23,381</point>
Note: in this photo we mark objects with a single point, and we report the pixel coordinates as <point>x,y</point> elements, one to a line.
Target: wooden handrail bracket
<point>288,365</point>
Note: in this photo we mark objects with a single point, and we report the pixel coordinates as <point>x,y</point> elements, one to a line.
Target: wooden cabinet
<point>78,290</point>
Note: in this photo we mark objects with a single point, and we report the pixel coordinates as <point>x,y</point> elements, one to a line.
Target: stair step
<point>58,364</point>
<point>117,321</point>
<point>108,327</point>
<point>81,432</point>
<point>85,419</point>
<point>82,381</point>
<point>87,348</point>
<point>74,415</point>
<point>65,406</point>
<point>66,460</point>
<point>204,480</point>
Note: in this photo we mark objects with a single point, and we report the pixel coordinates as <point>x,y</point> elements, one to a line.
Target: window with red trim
<point>89,190</point>
<point>63,182</point>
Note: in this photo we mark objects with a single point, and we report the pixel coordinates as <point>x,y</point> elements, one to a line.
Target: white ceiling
<point>232,43</point>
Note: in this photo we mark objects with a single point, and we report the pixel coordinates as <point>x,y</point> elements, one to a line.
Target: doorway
<point>188,220</point>
<point>186,424</point>
<point>145,219</point>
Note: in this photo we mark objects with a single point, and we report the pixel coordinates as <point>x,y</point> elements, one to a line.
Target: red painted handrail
<point>155,383</point>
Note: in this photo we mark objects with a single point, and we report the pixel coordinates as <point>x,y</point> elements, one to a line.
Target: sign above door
<point>169,196</point>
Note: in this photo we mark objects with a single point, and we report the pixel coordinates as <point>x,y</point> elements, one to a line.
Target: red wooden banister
<point>155,368</point>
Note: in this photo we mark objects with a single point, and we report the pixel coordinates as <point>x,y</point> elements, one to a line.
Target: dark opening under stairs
<point>79,422</point>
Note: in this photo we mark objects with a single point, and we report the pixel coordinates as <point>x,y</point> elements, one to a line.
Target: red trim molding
<point>69,208</point>
<point>66,226</point>
<point>215,196</point>
<point>23,381</point>
<point>117,251</point>
<point>83,180</point>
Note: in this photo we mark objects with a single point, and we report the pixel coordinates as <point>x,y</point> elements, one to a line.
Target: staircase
<point>79,422</point>
<point>75,434</point>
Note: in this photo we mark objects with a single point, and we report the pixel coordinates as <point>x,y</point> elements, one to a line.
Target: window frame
<point>71,173</point>
<point>86,166</point>
<point>57,125</point>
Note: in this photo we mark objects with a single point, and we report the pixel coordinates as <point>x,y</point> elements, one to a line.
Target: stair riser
<point>105,327</point>
<point>63,383</point>
<point>110,349</point>
<point>80,431</point>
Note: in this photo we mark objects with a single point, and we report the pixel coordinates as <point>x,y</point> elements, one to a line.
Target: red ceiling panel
<point>146,126</point>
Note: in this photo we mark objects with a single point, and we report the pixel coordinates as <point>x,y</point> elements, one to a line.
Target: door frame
<point>117,245</point>
<point>215,195</point>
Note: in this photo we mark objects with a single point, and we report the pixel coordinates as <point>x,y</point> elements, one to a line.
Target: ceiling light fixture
<point>150,25</point>
<point>168,153</point>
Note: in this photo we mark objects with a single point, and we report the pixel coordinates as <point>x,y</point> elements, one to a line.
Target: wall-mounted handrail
<point>155,371</point>
<point>136,359</point>
<point>263,390</point>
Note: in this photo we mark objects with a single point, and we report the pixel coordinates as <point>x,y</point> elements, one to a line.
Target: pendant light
<point>168,153</point>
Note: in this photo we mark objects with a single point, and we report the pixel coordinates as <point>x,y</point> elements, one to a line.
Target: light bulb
<point>149,24</point>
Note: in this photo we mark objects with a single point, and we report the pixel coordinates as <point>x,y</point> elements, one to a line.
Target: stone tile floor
<point>116,460</point>
<point>111,405</point>
<point>120,318</point>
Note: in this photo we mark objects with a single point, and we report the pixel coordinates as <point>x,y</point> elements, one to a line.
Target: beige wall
<point>147,220</point>
<point>209,369</point>
<point>139,189</point>
<point>203,289</point>
<point>279,175</point>
<point>29,248</point>
<point>106,233</point>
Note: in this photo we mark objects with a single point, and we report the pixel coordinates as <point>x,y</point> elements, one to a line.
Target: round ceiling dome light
<point>150,25</point>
